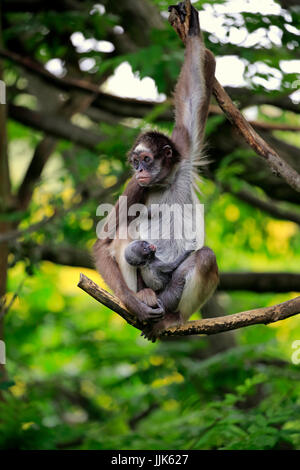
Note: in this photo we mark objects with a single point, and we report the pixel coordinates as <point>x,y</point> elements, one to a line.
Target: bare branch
<point>65,83</point>
<point>206,326</point>
<point>278,166</point>
<point>266,205</point>
<point>245,97</point>
<point>272,126</point>
<point>69,255</point>
<point>13,234</point>
<point>260,282</point>
<point>85,193</point>
<point>77,103</point>
<point>56,126</point>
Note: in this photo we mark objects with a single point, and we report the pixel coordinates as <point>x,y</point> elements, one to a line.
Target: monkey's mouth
<point>143,179</point>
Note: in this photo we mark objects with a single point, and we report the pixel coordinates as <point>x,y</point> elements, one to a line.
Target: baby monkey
<point>155,272</point>
<point>159,279</point>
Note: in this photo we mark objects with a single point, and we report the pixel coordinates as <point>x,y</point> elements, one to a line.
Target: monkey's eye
<point>147,159</point>
<point>135,163</point>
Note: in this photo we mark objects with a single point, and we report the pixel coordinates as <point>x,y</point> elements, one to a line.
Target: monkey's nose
<point>152,247</point>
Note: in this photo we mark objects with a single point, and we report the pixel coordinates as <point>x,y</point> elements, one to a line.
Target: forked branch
<point>208,326</point>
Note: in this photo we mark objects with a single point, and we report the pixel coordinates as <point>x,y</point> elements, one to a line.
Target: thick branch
<point>267,205</point>
<point>56,126</point>
<point>255,171</point>
<point>138,18</point>
<point>260,282</point>
<point>86,193</point>
<point>278,166</point>
<point>207,326</point>
<point>246,97</point>
<point>77,103</point>
<point>66,83</point>
<point>68,255</point>
<point>138,108</point>
<point>5,202</point>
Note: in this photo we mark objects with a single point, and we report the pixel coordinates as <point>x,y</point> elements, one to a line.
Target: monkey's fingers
<point>147,335</point>
<point>150,314</point>
<point>151,333</point>
<point>180,9</point>
<point>159,312</point>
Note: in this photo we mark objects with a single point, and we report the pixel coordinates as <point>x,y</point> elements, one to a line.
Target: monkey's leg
<point>192,283</point>
<point>200,282</point>
<point>110,271</point>
<point>148,296</point>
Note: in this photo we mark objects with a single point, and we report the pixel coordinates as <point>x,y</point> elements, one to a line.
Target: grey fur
<point>153,269</point>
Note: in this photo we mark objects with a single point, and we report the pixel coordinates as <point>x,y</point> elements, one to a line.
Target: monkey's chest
<point>169,225</point>
<point>153,279</point>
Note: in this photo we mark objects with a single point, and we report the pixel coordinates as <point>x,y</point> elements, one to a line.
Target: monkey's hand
<point>150,314</point>
<point>155,310</point>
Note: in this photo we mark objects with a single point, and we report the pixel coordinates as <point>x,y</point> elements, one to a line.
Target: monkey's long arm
<point>278,165</point>
<point>194,87</point>
<point>170,267</point>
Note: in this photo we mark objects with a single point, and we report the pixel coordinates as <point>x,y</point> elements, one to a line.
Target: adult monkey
<point>163,173</point>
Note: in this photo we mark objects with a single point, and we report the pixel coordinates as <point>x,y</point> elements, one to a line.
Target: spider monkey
<point>154,270</point>
<point>163,172</point>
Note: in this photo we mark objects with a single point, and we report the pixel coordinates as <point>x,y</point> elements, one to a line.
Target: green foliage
<point>83,381</point>
<point>78,376</point>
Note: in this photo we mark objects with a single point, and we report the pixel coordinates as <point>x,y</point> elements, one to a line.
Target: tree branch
<point>66,83</point>
<point>77,103</point>
<point>278,166</point>
<point>260,282</point>
<point>56,126</point>
<point>267,205</point>
<point>225,141</point>
<point>85,193</point>
<point>246,97</point>
<point>69,255</point>
<point>207,326</point>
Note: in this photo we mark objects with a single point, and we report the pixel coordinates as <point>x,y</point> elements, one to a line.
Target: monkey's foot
<point>184,19</point>
<point>148,297</point>
<point>153,331</point>
<point>180,9</point>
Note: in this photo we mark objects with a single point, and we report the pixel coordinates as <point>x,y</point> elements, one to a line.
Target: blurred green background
<point>76,375</point>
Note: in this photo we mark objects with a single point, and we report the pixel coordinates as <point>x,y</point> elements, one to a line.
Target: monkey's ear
<point>167,150</point>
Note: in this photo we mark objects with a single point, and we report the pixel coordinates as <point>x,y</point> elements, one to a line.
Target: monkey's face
<point>144,250</point>
<point>144,165</point>
<point>139,253</point>
<point>152,157</point>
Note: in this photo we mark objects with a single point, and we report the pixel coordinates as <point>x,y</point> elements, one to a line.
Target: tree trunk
<point>5,196</point>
